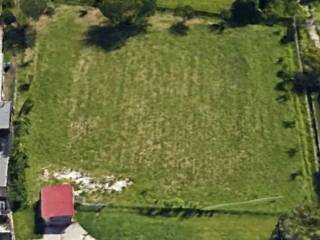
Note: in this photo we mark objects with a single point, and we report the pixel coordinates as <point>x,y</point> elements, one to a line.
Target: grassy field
<point>115,225</point>
<point>214,6</point>
<point>202,5</point>
<point>192,119</point>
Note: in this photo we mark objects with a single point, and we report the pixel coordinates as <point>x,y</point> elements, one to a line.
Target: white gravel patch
<point>86,183</point>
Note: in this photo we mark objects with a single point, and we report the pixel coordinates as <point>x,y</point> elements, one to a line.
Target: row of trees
<point>253,11</point>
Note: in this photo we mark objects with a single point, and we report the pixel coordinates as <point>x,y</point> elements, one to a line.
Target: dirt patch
<point>90,16</point>
<point>162,22</point>
<point>196,21</point>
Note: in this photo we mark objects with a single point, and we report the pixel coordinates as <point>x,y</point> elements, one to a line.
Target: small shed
<point>57,205</point>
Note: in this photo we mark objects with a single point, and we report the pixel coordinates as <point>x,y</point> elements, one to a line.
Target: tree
<point>301,223</point>
<point>283,8</point>
<point>245,12</point>
<point>33,8</point>
<point>127,12</point>
<point>7,4</point>
<point>186,12</point>
<point>8,17</point>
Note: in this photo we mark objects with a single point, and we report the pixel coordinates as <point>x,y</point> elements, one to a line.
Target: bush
<point>217,27</point>
<point>33,8</point>
<point>127,12</point>
<point>245,12</point>
<point>186,12</point>
<point>179,29</point>
<point>7,4</point>
<point>301,223</point>
<point>8,17</point>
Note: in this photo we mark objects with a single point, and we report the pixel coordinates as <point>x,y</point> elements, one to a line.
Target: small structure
<point>5,117</point>
<point>57,205</point>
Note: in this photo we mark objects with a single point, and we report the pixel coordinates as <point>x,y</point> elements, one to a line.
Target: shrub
<point>7,4</point>
<point>33,8</point>
<point>8,17</point>
<point>245,12</point>
<point>186,12</point>
<point>179,29</point>
<point>127,12</point>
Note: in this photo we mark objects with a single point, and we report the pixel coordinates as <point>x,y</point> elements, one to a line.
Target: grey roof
<point>5,112</point>
<point>4,163</point>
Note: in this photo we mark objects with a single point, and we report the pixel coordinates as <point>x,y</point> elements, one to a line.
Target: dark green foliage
<point>26,107</point>
<point>19,159</point>
<point>17,189</point>
<point>282,8</point>
<point>217,27</point>
<point>7,4</point>
<point>179,29</point>
<point>8,17</point>
<point>127,12</point>
<point>290,34</point>
<point>33,8</point>
<point>245,12</point>
<point>301,223</point>
<point>309,81</point>
<point>186,12</point>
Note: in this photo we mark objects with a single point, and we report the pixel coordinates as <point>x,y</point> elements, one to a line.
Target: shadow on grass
<point>111,38</point>
<point>18,38</point>
<point>38,222</point>
<point>190,212</point>
<point>316,183</point>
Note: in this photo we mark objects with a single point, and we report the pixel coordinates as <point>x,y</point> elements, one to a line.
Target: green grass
<point>214,6</point>
<point>114,225</point>
<point>190,119</point>
<point>24,224</point>
<point>202,5</point>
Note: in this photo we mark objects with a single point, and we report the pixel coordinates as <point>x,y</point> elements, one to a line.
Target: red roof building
<point>57,202</point>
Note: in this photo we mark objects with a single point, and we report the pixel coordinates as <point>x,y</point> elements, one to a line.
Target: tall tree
<point>127,12</point>
<point>245,12</point>
<point>33,8</point>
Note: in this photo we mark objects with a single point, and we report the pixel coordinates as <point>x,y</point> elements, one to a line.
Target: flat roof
<point>4,163</point>
<point>5,113</point>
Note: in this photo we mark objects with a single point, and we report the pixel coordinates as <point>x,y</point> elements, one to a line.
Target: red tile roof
<point>57,201</point>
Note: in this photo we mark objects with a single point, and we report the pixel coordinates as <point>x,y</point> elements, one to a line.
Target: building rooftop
<point>4,163</point>
<point>5,112</point>
<point>57,201</point>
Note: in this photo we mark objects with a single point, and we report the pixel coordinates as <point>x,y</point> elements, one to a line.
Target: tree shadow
<point>292,152</point>
<point>282,99</point>
<point>18,38</point>
<point>179,29</point>
<point>288,124</point>
<point>111,38</point>
<point>192,212</point>
<point>316,182</point>
<point>39,224</point>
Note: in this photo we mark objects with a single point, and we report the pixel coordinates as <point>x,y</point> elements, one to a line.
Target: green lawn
<point>202,5</point>
<point>115,225</point>
<point>24,225</point>
<point>191,119</point>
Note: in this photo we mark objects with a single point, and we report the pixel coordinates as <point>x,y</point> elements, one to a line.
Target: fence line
<point>313,124</point>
